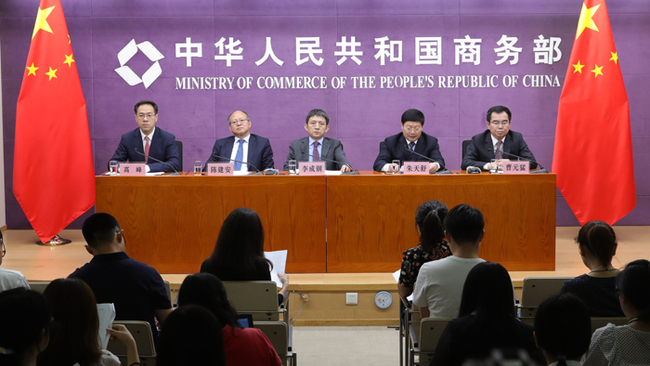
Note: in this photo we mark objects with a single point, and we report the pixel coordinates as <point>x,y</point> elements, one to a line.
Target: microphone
<point>540,170</point>
<point>160,161</point>
<point>442,169</point>
<point>351,172</point>
<point>257,171</point>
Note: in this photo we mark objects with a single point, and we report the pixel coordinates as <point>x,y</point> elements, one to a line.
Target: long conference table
<point>335,224</point>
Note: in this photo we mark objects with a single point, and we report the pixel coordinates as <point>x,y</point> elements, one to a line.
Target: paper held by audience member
<point>106,314</point>
<point>279,260</point>
<point>396,277</point>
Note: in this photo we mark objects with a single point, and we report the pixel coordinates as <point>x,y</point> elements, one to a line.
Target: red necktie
<point>146,149</point>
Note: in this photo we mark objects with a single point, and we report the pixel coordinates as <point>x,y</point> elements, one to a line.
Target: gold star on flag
<point>597,70</point>
<point>41,20</point>
<point>614,57</point>
<point>586,19</point>
<point>68,60</point>
<point>51,73</point>
<point>578,67</point>
<point>32,70</point>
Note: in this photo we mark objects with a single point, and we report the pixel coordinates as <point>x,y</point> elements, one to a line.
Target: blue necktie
<point>240,154</point>
<point>412,147</point>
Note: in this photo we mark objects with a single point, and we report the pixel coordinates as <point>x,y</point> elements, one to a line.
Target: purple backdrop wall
<point>360,117</point>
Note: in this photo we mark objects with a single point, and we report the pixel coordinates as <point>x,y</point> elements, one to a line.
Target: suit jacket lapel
<point>402,151</point>
<point>326,146</point>
<point>507,146</point>
<point>488,146</point>
<point>304,150</point>
<point>252,143</point>
<point>227,148</point>
<point>156,144</point>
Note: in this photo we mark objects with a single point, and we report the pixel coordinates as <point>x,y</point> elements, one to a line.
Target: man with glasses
<point>247,151</point>
<point>149,140</point>
<point>9,278</point>
<point>497,142</point>
<point>409,145</point>
<point>316,145</point>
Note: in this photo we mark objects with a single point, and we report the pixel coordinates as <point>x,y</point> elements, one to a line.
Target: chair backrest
<point>534,291</point>
<point>465,145</point>
<point>141,332</point>
<point>38,286</point>
<point>430,331</point>
<point>278,334</point>
<point>598,322</point>
<point>168,288</point>
<point>179,147</point>
<point>258,298</point>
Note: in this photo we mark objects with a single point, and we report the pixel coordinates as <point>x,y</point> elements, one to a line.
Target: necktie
<point>240,154</point>
<point>146,149</point>
<point>498,154</point>
<point>412,147</point>
<point>315,152</point>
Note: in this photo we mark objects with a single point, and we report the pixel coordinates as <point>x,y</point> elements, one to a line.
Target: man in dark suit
<point>400,146</point>
<point>243,146</point>
<point>149,140</point>
<point>497,142</point>
<point>316,145</point>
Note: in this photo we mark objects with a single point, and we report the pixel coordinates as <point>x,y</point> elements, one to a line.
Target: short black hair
<point>599,239</point>
<point>413,115</point>
<point>99,229</point>
<point>634,283</point>
<point>498,109</point>
<point>465,224</point>
<point>138,104</point>
<point>318,112</point>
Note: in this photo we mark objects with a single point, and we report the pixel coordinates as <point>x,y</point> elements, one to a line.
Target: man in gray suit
<point>315,146</point>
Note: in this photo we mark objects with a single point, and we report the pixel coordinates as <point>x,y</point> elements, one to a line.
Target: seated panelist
<point>242,146</point>
<point>497,142</point>
<point>401,146</point>
<point>316,145</point>
<point>148,140</point>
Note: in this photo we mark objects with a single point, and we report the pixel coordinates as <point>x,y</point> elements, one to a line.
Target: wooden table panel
<point>172,222</point>
<point>371,218</point>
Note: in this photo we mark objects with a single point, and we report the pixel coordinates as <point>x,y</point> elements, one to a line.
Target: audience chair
<point>258,298</point>
<point>38,286</point>
<point>141,331</point>
<point>536,290</point>
<point>168,288</point>
<point>599,322</point>
<point>278,334</point>
<point>426,341</point>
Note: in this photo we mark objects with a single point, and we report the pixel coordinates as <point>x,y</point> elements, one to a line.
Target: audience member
<point>239,252</point>
<point>74,336</point>
<point>136,289</point>
<point>243,346</point>
<point>9,278</point>
<point>429,219</point>
<point>626,344</point>
<point>597,245</point>
<point>25,326</point>
<point>191,336</point>
<point>487,319</point>
<point>439,284</point>
<point>562,329</point>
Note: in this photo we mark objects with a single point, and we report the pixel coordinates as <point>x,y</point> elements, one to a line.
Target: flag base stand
<point>57,240</point>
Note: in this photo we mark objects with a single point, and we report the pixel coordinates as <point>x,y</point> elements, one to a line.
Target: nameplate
<point>416,167</point>
<point>315,168</point>
<point>221,169</point>
<point>516,167</point>
<point>133,169</point>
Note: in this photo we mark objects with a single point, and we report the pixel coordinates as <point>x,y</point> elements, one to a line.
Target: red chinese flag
<point>53,165</point>
<point>593,142</point>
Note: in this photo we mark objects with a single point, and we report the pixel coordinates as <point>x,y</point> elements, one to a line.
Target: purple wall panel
<point>360,117</point>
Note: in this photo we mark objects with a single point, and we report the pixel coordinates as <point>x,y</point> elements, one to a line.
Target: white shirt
<point>440,285</point>
<point>618,345</point>
<point>144,142</point>
<point>10,279</point>
<point>311,148</point>
<point>235,147</point>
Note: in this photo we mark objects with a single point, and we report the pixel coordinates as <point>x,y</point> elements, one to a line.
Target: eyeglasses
<point>148,115</point>
<point>319,123</point>
<point>413,128</point>
<point>497,123</point>
<point>236,121</point>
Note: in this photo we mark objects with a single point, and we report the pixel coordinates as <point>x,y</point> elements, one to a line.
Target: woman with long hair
<point>597,289</point>
<point>486,319</point>
<point>626,344</point>
<point>74,337</point>
<point>243,346</point>
<point>239,252</point>
<point>429,219</point>
<point>24,331</point>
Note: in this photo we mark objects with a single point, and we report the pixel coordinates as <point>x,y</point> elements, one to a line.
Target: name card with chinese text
<point>221,168</point>
<point>133,169</point>
<point>416,167</point>
<point>315,168</point>
<point>516,167</point>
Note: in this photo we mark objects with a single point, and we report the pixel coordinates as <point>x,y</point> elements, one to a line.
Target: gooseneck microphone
<point>351,172</point>
<point>442,169</point>
<point>159,161</point>
<point>540,170</point>
<point>257,171</point>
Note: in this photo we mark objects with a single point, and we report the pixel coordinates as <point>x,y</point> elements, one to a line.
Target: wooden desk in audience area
<point>341,224</point>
